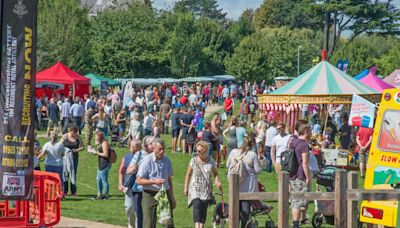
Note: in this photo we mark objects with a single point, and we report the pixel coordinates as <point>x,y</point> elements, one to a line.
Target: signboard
<point>18,62</point>
<point>389,135</point>
<point>104,88</point>
<point>362,112</point>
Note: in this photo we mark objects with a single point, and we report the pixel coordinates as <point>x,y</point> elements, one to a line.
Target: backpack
<point>237,167</point>
<point>112,156</point>
<point>289,160</point>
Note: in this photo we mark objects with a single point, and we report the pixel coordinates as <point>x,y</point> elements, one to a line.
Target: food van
<point>383,166</point>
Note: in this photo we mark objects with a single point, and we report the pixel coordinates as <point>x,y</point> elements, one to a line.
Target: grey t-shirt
<point>54,153</point>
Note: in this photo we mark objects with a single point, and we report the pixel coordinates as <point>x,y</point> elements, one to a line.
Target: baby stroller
<point>114,135</point>
<point>324,208</point>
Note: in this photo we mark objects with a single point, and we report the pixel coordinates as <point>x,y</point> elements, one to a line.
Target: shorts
<point>228,112</point>
<point>298,185</point>
<point>175,133</point>
<point>363,156</point>
<point>121,128</point>
<point>52,123</point>
<point>200,210</point>
<point>184,132</point>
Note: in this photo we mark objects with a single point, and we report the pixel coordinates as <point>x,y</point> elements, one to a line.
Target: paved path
<point>79,223</point>
<point>213,109</point>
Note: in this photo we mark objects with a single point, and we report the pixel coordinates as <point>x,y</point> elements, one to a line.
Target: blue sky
<point>234,8</point>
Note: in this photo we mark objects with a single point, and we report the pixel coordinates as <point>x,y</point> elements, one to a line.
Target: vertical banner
<point>362,112</point>
<point>104,88</point>
<point>18,69</point>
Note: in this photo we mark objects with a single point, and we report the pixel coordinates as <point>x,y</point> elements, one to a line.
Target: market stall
<point>322,84</point>
<point>393,78</point>
<point>95,80</point>
<point>74,83</point>
<point>374,82</point>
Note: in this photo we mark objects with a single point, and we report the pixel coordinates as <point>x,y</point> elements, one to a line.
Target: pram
<point>114,135</point>
<point>324,208</point>
<point>257,208</point>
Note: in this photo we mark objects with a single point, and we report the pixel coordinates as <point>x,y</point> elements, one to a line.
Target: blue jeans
<point>268,158</point>
<point>133,208</point>
<point>55,169</point>
<point>102,181</point>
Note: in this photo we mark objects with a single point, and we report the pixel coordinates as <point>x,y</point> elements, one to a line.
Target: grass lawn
<point>112,211</point>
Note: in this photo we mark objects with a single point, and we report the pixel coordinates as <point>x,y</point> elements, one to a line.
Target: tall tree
<point>242,27</point>
<point>201,8</point>
<point>63,35</point>
<point>389,61</point>
<point>364,51</point>
<point>129,43</point>
<point>289,13</point>
<point>359,17</point>
<point>185,48</point>
<point>270,53</point>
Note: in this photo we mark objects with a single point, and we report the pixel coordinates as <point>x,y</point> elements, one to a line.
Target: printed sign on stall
<point>362,112</point>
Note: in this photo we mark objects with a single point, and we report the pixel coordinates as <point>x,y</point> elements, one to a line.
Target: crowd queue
<point>251,136</point>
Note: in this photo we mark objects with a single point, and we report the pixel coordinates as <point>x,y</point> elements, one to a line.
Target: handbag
<point>130,179</point>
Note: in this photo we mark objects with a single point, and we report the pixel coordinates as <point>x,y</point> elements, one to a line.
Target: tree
<point>364,51</point>
<point>389,61</point>
<point>290,13</point>
<point>361,16</point>
<point>128,43</point>
<point>269,53</point>
<point>185,48</point>
<point>63,35</point>
<point>241,28</point>
<point>201,8</point>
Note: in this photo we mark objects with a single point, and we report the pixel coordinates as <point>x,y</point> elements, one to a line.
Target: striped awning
<point>322,84</point>
<point>324,79</point>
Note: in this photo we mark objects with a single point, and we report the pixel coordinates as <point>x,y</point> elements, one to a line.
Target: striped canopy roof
<point>324,79</point>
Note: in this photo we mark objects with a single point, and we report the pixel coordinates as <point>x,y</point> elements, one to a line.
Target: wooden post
<point>233,200</point>
<point>283,200</point>
<point>340,199</point>
<point>352,212</point>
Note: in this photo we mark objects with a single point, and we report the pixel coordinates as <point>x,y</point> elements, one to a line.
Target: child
<point>190,138</point>
<point>316,130</point>
<point>157,127</point>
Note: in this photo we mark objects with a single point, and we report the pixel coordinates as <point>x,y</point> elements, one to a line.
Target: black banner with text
<point>17,84</point>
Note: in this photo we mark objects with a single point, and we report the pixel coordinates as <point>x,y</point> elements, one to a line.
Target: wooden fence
<point>346,197</point>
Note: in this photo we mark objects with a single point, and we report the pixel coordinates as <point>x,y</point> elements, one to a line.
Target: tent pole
<point>73,91</point>
<point>326,117</point>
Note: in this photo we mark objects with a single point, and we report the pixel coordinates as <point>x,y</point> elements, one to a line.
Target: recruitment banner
<point>362,112</point>
<point>18,68</point>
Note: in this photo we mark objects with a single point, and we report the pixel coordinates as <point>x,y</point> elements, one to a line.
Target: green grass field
<point>112,211</point>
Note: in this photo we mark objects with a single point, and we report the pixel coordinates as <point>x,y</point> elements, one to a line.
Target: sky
<point>233,8</point>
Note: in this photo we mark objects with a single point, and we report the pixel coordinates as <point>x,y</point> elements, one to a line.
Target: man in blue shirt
<point>65,114</point>
<point>53,113</point>
<point>77,113</point>
<point>155,171</point>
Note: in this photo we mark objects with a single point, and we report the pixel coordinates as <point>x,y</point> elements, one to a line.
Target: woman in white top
<point>198,186</point>
<point>252,168</point>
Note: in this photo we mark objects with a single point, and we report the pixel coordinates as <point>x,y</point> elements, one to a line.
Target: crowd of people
<point>137,123</point>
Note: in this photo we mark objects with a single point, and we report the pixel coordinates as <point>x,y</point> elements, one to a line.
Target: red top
<point>219,91</point>
<point>173,90</point>
<point>228,103</point>
<point>364,134</point>
<point>184,99</point>
<point>206,90</point>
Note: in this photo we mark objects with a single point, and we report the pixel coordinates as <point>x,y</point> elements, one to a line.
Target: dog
<point>220,215</point>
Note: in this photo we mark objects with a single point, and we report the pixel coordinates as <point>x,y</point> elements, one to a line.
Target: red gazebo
<point>74,83</point>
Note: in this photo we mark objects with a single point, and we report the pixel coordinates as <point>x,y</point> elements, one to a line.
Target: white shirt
<point>148,122</point>
<point>139,101</point>
<point>280,144</point>
<point>108,110</point>
<point>192,99</point>
<point>269,135</point>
